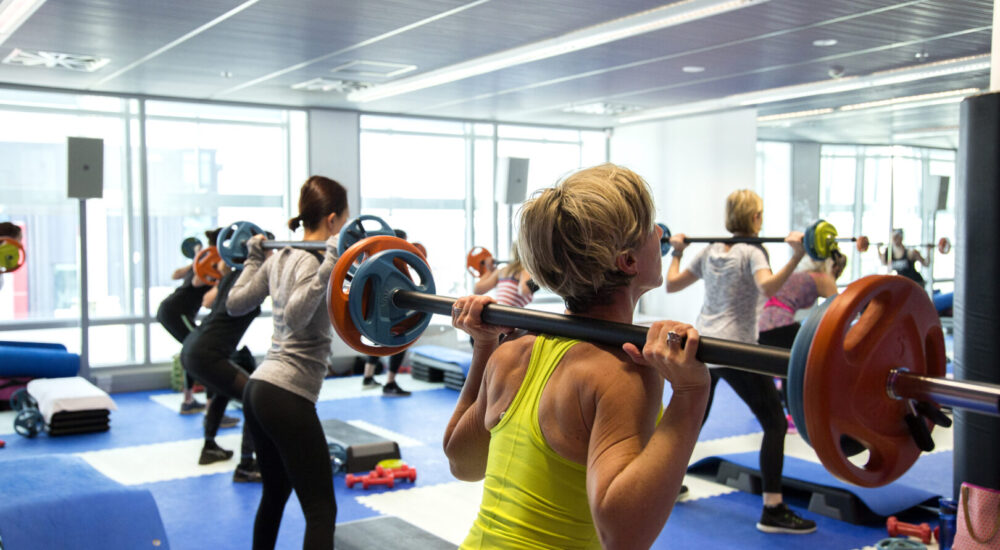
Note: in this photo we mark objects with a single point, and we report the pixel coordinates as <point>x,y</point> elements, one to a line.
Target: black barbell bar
<point>755,358</point>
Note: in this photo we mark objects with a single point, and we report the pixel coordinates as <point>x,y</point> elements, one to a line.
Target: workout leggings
<point>226,378</point>
<point>760,394</point>
<point>395,361</point>
<point>292,453</point>
<point>172,321</point>
<point>781,337</point>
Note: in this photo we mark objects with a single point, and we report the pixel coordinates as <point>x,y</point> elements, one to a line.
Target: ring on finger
<point>673,338</point>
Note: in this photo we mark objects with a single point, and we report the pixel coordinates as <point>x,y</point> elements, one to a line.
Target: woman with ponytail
<point>280,397</point>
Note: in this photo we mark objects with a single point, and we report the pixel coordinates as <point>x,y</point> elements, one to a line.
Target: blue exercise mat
<point>944,301</point>
<point>882,501</point>
<point>60,501</point>
<point>37,360</point>
<point>462,359</point>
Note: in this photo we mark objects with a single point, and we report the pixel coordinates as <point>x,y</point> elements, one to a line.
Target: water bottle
<point>947,509</point>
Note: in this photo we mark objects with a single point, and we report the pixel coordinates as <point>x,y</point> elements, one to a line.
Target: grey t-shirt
<point>300,344</point>
<point>732,300</point>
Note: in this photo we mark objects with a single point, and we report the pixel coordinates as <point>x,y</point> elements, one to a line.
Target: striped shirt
<point>509,294</point>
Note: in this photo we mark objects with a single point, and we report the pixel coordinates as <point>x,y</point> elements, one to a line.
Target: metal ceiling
<point>254,51</point>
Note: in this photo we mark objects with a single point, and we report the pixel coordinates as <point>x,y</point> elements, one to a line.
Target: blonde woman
<point>738,279</point>
<point>563,432</point>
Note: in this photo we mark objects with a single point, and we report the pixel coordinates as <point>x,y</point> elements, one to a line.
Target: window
<point>439,186</point>
<point>171,170</point>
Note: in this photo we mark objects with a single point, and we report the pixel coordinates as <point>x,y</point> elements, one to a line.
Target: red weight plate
<point>944,245</point>
<point>879,323</point>
<point>476,260</point>
<point>862,244</point>
<point>206,265</point>
<point>338,291</point>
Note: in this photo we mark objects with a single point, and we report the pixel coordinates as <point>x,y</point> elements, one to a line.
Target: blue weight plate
<point>382,322</point>
<point>190,247</point>
<point>664,240</point>
<point>797,367</point>
<point>356,230</point>
<point>232,242</point>
<point>809,242</point>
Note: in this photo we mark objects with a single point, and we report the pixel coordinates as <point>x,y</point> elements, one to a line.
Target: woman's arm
<point>826,286</point>
<point>250,288</point>
<point>629,510</point>
<point>770,283</point>
<point>209,298</point>
<point>309,287</point>
<point>466,439</point>
<point>180,272</point>
<point>486,282</point>
<point>916,256</point>
<point>676,279</point>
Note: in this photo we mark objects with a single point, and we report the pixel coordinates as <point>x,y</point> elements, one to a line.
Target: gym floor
<point>151,446</point>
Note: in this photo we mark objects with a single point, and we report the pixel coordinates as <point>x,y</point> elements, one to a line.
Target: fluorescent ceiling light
<point>927,132</point>
<point>796,114</point>
<point>825,42</point>
<point>589,37</point>
<point>13,13</point>
<point>833,86</point>
<point>601,108</point>
<point>894,104</point>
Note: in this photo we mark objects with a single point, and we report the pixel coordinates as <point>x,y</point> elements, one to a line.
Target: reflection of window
<point>871,190</point>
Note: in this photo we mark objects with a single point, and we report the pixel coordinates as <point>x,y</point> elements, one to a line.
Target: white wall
<point>335,152</point>
<point>692,164</point>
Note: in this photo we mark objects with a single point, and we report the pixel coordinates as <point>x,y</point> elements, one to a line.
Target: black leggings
<point>395,361</point>
<point>293,454</point>
<point>781,337</point>
<point>226,377</point>
<point>760,394</point>
<point>173,321</point>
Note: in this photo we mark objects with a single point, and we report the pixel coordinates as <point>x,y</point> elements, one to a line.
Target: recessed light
<point>825,42</point>
<point>693,69</point>
<point>920,56</point>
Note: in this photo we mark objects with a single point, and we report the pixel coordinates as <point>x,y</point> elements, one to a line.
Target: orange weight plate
<point>206,265</point>
<point>476,260</point>
<point>338,291</point>
<point>879,323</point>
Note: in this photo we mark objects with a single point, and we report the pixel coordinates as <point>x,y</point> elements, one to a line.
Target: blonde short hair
<point>572,234</point>
<point>741,207</point>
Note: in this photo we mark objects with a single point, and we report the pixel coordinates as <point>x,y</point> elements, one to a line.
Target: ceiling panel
<point>257,54</point>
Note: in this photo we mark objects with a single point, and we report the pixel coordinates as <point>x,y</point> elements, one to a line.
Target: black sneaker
<point>369,383</point>
<point>392,389</point>
<point>781,519</point>
<point>211,452</point>
<point>228,421</point>
<point>247,473</point>
<point>682,494</point>
<point>193,407</point>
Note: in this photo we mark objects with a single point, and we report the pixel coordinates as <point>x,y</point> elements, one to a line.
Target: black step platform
<point>364,449</point>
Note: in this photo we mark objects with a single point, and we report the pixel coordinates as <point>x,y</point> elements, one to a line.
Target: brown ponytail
<point>318,198</point>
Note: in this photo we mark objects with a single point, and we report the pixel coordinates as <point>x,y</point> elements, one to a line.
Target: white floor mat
<point>7,422</point>
<point>446,510</point>
<point>161,461</point>
<point>346,387</point>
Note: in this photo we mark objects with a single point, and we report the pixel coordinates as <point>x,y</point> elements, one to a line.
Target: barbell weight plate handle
<point>377,319</point>
<point>355,231</point>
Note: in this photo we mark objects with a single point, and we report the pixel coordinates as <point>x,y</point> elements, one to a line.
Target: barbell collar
<point>755,358</point>
<point>974,396</point>
<point>304,245</point>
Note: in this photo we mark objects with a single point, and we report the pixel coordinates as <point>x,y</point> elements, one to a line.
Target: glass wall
<point>869,190</point>
<point>171,170</point>
<point>439,185</point>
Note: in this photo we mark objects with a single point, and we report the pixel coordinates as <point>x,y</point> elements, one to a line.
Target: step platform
<point>441,364</point>
<point>363,449</point>
<point>827,495</point>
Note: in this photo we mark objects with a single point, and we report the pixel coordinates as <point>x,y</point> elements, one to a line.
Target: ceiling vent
<point>330,85</point>
<point>378,70</point>
<point>56,60</point>
<point>602,109</point>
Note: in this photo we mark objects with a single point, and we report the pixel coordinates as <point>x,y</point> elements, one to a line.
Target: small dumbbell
<point>402,472</point>
<point>373,479</point>
<point>896,528</point>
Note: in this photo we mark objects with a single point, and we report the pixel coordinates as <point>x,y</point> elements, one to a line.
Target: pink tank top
<point>509,294</point>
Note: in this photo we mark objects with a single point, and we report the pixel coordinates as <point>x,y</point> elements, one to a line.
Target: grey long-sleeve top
<point>296,282</point>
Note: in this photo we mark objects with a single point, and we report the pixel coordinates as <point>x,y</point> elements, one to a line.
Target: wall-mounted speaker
<point>512,180</point>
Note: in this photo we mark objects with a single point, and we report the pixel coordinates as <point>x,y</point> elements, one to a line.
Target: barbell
<point>206,265</point>
<point>232,240</point>
<point>477,259</point>
<point>12,255</point>
<point>190,246</point>
<point>943,245</point>
<point>819,239</point>
<point>860,366</point>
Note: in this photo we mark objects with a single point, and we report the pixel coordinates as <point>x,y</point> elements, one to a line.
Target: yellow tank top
<point>532,497</point>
